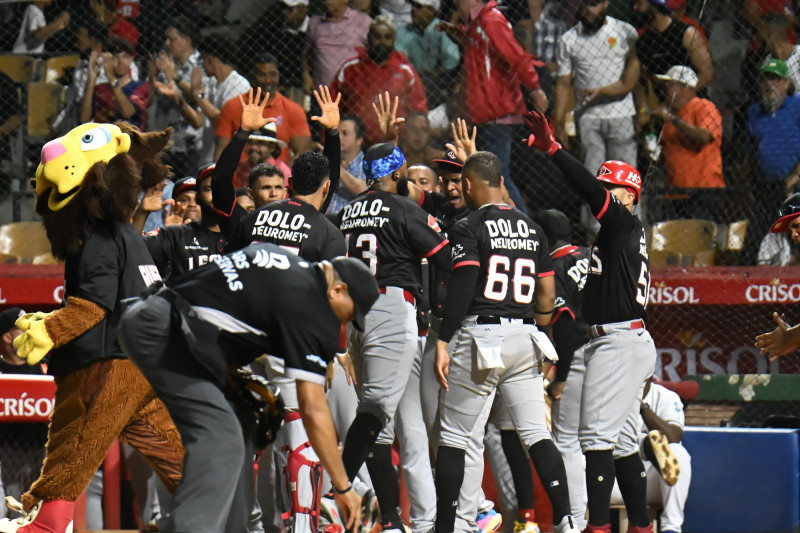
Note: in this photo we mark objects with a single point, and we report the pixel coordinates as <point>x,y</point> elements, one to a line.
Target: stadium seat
<point>659,258</point>
<point>18,67</point>
<point>694,239</point>
<point>44,103</point>
<point>25,240</point>
<point>8,259</point>
<point>56,67</point>
<point>733,235</point>
<point>45,259</point>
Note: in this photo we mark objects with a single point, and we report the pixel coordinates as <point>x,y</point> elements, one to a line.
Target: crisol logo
<point>773,292</point>
<point>662,294</point>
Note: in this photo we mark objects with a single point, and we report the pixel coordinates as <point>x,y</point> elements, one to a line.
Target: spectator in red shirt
<point>380,68</point>
<point>495,65</point>
<point>120,98</point>
<point>291,123</point>
<point>678,8</point>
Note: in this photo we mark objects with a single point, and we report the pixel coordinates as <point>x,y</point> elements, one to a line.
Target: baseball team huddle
<point>413,317</point>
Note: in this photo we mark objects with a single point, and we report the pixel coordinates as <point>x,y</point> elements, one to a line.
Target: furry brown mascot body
<point>86,188</point>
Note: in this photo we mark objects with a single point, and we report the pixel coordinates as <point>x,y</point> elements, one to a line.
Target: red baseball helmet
<point>622,174</point>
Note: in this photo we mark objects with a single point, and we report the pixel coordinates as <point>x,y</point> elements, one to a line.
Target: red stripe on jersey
<point>605,206</point>
<point>223,213</point>
<point>439,247</point>
<point>546,274</point>
<point>559,312</point>
<point>564,250</point>
<point>421,197</point>
<point>466,263</point>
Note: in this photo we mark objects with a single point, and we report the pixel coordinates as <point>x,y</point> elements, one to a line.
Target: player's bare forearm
<point>319,426</point>
<point>673,432</point>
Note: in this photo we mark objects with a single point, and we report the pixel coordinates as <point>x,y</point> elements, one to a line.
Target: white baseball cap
<point>432,3</point>
<point>681,74</point>
<point>295,3</point>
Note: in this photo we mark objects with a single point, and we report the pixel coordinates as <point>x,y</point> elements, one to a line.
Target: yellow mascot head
<point>95,171</point>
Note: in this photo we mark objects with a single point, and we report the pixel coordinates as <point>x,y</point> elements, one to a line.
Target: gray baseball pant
<point>617,366</point>
<point>566,415</point>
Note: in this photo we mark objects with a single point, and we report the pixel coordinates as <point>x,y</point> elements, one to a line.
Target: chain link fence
<point>688,91</point>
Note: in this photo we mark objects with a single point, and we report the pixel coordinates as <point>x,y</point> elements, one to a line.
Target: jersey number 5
<point>643,286</point>
<point>497,279</point>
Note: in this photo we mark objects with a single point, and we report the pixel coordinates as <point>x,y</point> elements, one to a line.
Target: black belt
<point>492,319</point>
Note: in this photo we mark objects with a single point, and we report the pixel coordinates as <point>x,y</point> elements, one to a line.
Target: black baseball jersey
<point>571,267</point>
<point>180,248</point>
<point>619,270</point>
<point>390,233</point>
<point>266,300</point>
<point>511,251</point>
<point>113,264</point>
<point>295,226</point>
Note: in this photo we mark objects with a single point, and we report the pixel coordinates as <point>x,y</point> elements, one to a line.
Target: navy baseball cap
<point>361,286</point>
<point>555,224</point>
<point>8,318</point>
<point>182,185</point>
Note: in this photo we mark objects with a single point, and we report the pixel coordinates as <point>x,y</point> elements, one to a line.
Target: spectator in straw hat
<point>692,141</point>
<point>263,146</point>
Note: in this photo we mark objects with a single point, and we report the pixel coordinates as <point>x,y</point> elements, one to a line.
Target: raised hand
<point>329,117</point>
<point>168,89</point>
<point>541,136</point>
<point>253,111</point>
<point>174,213</point>
<point>151,201</point>
<point>386,111</point>
<point>463,144</point>
<point>779,341</point>
<point>165,65</point>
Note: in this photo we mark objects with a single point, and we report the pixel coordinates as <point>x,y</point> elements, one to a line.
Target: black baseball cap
<point>182,185</point>
<point>8,317</point>
<point>449,163</point>
<point>361,285</point>
<point>555,224</point>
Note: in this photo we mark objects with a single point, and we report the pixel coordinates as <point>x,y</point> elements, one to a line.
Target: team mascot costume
<point>87,187</point>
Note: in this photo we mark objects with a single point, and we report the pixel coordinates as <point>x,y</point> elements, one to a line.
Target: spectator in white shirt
<point>35,29</point>
<point>218,53</point>
<point>597,55</point>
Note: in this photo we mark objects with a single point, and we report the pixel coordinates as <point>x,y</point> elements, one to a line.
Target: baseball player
<point>474,511</point>
<point>620,354</point>
<point>669,466</point>
<point>224,193</point>
<point>296,225</point>
<point>570,334</point>
<point>502,287</point>
<point>783,339</point>
<point>185,336</point>
<point>390,234</point>
<point>178,248</point>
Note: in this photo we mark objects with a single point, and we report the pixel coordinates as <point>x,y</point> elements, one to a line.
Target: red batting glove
<point>541,136</point>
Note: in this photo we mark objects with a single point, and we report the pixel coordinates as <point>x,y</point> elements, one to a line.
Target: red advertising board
<point>703,319</point>
<point>26,398</point>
